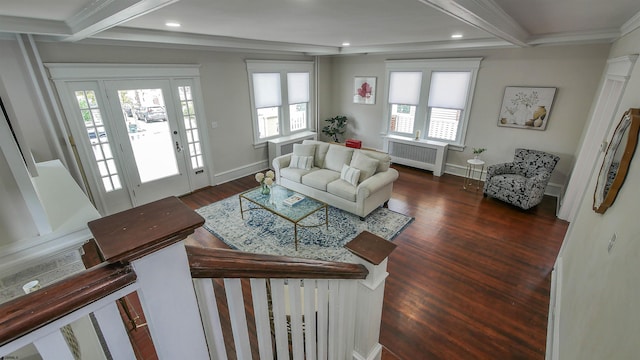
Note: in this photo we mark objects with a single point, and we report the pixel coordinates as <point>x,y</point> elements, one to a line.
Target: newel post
<point>151,238</point>
<point>372,252</point>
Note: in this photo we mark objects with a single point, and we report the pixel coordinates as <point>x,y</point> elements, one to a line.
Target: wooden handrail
<point>29,312</point>
<point>223,263</point>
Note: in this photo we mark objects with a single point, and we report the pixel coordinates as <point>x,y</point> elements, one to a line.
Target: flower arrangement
<point>477,152</point>
<point>266,180</point>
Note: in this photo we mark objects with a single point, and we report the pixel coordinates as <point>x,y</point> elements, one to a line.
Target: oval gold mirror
<point>616,161</point>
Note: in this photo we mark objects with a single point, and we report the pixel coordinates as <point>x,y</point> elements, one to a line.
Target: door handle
<point>178,147</point>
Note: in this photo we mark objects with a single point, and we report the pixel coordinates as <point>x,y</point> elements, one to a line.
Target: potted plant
<point>337,126</point>
<point>477,152</point>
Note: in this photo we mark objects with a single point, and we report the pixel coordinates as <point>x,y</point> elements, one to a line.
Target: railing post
<point>151,237</point>
<point>372,252</point>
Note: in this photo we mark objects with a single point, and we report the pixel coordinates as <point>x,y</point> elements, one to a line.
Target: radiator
<point>284,145</point>
<point>422,154</point>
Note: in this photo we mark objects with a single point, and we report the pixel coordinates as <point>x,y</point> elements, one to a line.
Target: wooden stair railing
<point>266,306</point>
<point>224,263</point>
<point>29,312</point>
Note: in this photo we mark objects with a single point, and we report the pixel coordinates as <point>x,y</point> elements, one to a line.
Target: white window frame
<point>283,68</point>
<point>427,67</point>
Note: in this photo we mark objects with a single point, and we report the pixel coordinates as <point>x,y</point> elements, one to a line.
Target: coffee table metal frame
<point>273,203</point>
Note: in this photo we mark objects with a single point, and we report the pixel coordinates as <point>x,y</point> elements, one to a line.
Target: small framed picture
<point>364,90</point>
<point>526,107</point>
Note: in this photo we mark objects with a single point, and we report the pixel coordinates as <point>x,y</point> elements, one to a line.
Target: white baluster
<point>53,347</point>
<point>295,314</point>
<point>114,332</point>
<point>310,318</point>
<point>323,319</point>
<point>261,314</point>
<point>210,318</point>
<point>235,302</point>
<point>279,318</point>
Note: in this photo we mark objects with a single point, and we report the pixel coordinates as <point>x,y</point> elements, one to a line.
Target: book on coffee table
<point>293,199</point>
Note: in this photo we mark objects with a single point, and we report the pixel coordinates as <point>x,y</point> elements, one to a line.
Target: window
<point>431,98</point>
<point>281,93</point>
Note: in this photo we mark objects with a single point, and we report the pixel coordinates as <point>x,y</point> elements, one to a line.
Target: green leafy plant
<point>478,151</point>
<point>336,126</point>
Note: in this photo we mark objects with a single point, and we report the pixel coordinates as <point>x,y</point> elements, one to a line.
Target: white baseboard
<point>239,172</point>
<point>553,322</point>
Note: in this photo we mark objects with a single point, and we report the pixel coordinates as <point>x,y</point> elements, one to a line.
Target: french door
<point>150,139</point>
<point>138,140</point>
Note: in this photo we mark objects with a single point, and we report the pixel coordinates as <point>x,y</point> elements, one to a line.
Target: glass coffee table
<point>274,202</point>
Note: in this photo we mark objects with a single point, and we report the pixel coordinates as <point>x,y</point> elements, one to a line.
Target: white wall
<point>600,291</point>
<point>574,70</point>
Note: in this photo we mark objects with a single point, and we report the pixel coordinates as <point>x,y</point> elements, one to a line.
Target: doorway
<point>137,140</point>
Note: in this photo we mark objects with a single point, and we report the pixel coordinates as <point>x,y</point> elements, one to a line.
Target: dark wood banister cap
<point>225,263</point>
<point>134,233</point>
<point>29,312</point>
<point>370,247</point>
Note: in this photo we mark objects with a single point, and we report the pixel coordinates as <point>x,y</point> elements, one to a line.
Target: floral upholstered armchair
<point>522,182</point>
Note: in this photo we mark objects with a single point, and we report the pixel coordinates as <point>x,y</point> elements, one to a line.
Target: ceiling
<point>321,27</point>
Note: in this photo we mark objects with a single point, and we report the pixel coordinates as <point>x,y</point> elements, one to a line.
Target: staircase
<point>205,303</point>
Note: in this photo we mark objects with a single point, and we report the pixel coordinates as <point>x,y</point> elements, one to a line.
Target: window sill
<point>454,147</point>
<point>286,138</point>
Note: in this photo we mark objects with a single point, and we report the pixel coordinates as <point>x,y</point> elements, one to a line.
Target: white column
<point>169,304</point>
<point>370,294</point>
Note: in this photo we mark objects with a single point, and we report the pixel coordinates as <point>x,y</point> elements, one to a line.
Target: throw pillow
<point>350,175</point>
<point>365,164</point>
<point>301,162</point>
<point>337,156</point>
<point>304,149</point>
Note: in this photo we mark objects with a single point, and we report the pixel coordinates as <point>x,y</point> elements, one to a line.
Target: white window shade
<point>298,87</point>
<point>404,87</point>
<point>266,90</point>
<point>449,89</point>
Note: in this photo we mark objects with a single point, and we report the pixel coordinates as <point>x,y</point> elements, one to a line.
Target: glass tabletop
<point>275,202</point>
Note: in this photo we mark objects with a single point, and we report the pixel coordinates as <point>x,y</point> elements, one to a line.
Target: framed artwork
<point>364,90</point>
<point>526,107</point>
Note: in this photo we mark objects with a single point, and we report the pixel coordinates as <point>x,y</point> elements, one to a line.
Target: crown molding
<point>603,36</point>
<point>630,25</point>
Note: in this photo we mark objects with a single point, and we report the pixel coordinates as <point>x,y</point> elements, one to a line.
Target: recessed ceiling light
<point>172,24</point>
<point>346,43</point>
<point>456,36</point>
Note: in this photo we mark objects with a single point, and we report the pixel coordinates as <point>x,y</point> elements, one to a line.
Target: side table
<point>473,166</point>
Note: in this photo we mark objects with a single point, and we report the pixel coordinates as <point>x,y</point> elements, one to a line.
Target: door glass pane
<point>190,125</point>
<point>145,117</point>
<point>98,138</point>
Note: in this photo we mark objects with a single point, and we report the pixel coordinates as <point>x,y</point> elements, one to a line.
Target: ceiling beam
<point>485,15</point>
<point>23,25</point>
<point>101,15</point>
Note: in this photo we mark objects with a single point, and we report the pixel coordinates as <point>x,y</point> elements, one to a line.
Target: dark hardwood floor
<point>470,277</point>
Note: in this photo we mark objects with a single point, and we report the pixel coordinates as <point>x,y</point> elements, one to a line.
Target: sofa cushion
<point>319,178</point>
<point>365,164</point>
<point>321,151</point>
<point>295,174</point>
<point>342,189</point>
<point>301,162</point>
<point>350,175</point>
<point>384,160</point>
<point>337,156</point>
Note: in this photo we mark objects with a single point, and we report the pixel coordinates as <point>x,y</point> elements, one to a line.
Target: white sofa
<point>354,180</point>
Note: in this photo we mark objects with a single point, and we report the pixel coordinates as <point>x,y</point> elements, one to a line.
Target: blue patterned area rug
<point>266,233</point>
